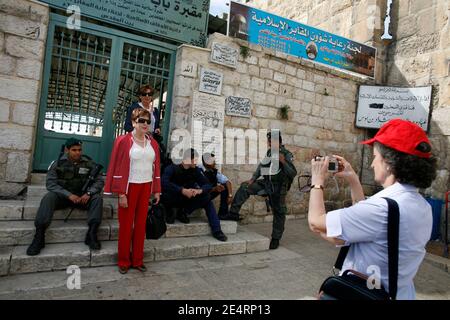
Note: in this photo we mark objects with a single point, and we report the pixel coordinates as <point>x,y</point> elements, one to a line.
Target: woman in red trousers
<point>134,174</point>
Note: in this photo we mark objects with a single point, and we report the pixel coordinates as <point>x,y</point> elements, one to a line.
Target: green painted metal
<point>184,21</point>
<point>90,78</point>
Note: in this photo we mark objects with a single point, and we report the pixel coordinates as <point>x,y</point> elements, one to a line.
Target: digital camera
<point>333,164</point>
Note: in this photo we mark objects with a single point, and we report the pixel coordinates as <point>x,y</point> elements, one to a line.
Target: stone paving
<point>293,271</point>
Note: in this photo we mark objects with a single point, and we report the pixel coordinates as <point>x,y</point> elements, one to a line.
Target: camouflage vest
<point>72,177</point>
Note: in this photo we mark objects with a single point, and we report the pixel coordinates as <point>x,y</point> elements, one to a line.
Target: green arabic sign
<point>180,20</point>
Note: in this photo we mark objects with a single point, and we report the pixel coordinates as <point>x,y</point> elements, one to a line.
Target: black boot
<point>38,242</point>
<point>91,237</point>
<point>182,216</point>
<point>274,243</point>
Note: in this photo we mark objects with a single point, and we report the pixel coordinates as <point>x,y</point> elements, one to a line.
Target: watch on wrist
<point>89,193</point>
<point>316,186</point>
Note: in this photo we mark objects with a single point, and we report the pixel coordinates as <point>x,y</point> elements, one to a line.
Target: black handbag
<point>352,285</point>
<point>156,222</point>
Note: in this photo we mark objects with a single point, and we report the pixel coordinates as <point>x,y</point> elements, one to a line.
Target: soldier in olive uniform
<point>275,184</point>
<point>65,180</point>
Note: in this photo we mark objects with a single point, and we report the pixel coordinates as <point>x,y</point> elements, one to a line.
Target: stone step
<point>60,256</point>
<point>11,209</point>
<point>22,232</point>
<point>31,207</point>
<point>38,178</point>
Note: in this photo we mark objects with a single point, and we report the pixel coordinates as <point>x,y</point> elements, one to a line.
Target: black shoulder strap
<point>393,236</point>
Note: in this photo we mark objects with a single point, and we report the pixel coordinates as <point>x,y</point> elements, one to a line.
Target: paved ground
<point>294,271</point>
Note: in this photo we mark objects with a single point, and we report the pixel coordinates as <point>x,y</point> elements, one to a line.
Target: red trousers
<point>132,222</point>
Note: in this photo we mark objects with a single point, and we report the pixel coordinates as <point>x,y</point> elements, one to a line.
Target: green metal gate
<point>90,78</point>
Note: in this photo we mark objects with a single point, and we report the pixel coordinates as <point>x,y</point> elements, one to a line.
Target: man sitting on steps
<point>65,180</point>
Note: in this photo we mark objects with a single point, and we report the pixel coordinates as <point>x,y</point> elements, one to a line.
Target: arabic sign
<point>378,105</point>
<point>180,20</point>
<point>236,106</point>
<point>224,55</point>
<point>188,69</point>
<point>208,122</point>
<point>288,36</point>
<point>211,82</point>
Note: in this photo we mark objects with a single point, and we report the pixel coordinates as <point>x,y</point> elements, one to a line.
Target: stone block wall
<point>322,103</point>
<point>23,31</point>
<point>420,56</point>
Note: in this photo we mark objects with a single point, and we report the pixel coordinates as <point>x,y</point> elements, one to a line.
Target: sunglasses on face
<point>142,120</point>
<point>147,94</point>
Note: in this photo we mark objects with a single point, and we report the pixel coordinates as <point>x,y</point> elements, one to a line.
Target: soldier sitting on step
<point>186,188</point>
<point>65,180</point>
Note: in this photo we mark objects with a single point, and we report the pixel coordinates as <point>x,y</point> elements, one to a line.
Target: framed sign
<point>240,107</point>
<point>377,105</point>
<point>211,81</point>
<point>297,39</point>
<point>184,21</point>
<point>224,55</point>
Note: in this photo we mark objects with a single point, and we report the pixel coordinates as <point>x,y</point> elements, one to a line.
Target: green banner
<point>184,21</point>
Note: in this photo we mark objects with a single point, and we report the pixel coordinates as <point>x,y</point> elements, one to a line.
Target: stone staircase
<point>65,240</point>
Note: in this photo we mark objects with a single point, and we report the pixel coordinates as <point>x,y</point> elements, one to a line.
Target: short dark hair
<point>190,153</point>
<point>144,88</point>
<point>407,168</point>
<point>269,136</point>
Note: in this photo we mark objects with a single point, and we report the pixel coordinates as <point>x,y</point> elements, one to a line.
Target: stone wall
<point>23,31</point>
<point>420,56</point>
<point>322,102</point>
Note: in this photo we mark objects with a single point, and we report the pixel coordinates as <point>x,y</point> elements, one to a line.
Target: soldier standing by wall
<point>275,185</point>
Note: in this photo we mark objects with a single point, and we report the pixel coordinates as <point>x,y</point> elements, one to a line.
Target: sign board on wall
<point>208,122</point>
<point>377,105</point>
<point>224,55</point>
<point>294,38</point>
<point>180,20</point>
<point>240,107</point>
<point>211,81</point>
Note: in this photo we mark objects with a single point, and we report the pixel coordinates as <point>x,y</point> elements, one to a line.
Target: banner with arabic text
<point>294,38</point>
<point>377,105</point>
<point>180,20</point>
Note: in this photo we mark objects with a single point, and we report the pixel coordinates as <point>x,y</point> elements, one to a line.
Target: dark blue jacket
<point>129,126</point>
<point>171,184</point>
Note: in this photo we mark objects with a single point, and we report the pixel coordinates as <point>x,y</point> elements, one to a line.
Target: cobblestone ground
<point>293,271</point>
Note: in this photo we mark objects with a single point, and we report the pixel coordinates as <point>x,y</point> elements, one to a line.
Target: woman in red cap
<point>134,174</point>
<point>402,163</point>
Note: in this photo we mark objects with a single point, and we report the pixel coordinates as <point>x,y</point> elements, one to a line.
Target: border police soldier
<point>66,179</point>
<point>276,182</point>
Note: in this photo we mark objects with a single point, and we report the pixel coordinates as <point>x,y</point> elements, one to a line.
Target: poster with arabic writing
<point>184,21</point>
<point>377,105</point>
<point>208,116</point>
<point>297,39</point>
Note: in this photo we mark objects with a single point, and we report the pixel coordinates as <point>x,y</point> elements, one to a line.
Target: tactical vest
<point>211,175</point>
<point>72,177</point>
<point>280,178</point>
<point>184,177</point>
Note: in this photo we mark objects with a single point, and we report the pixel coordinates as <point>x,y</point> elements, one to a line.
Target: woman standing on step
<point>134,174</point>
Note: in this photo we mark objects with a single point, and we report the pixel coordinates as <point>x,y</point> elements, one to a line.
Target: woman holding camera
<point>402,163</point>
<point>134,174</point>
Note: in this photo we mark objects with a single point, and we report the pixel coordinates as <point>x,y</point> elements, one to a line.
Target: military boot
<point>38,242</point>
<point>91,237</point>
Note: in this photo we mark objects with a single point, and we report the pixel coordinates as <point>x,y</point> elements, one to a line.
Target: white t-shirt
<point>364,226</point>
<point>141,163</point>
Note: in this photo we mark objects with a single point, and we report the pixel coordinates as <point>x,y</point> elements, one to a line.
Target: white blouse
<point>141,163</point>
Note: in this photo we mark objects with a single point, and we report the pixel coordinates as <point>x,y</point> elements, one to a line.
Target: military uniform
<point>65,178</point>
<point>276,185</point>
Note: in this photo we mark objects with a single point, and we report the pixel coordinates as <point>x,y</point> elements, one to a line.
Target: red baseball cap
<point>403,136</point>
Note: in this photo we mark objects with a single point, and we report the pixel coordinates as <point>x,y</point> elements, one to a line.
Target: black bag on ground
<point>352,285</point>
<point>156,222</point>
